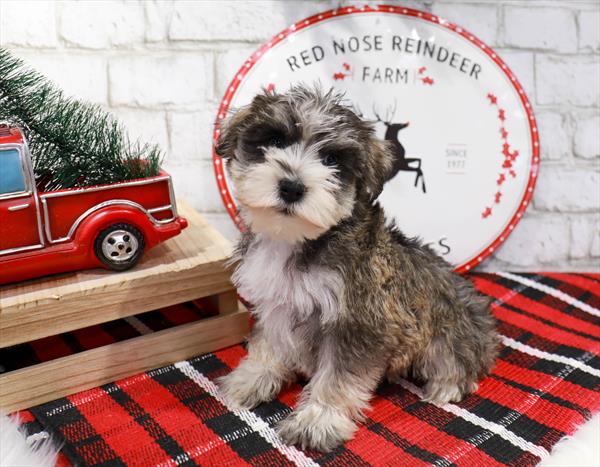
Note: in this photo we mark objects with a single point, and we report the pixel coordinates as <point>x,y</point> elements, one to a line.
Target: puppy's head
<point>300,161</point>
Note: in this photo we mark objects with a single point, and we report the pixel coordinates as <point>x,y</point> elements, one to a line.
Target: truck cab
<point>20,223</point>
<point>46,232</point>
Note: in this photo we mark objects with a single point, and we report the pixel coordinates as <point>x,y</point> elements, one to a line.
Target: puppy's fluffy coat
<point>340,297</point>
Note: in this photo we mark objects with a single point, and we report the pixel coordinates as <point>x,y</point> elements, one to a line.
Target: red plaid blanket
<point>546,382</point>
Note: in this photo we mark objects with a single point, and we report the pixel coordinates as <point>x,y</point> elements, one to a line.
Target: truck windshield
<point>11,172</point>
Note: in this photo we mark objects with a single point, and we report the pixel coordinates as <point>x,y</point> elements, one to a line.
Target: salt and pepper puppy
<point>340,296</point>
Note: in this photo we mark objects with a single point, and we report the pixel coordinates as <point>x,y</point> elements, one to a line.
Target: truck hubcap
<point>119,245</point>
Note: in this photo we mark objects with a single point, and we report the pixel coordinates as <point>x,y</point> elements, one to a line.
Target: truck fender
<point>117,213</point>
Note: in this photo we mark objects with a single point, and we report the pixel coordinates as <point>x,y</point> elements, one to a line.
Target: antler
<point>393,111</point>
<point>377,115</point>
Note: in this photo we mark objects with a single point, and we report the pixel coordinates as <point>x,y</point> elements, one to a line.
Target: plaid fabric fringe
<point>545,383</point>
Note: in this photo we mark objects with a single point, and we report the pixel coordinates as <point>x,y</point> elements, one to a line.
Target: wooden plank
<point>189,266</point>
<point>47,381</point>
<point>227,301</point>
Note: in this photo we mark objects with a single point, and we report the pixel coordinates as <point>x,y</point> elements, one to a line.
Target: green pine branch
<point>72,143</point>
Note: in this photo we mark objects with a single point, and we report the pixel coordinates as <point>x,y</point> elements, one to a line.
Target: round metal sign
<point>452,110</point>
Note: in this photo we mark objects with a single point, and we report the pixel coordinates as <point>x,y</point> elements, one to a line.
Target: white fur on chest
<point>269,281</point>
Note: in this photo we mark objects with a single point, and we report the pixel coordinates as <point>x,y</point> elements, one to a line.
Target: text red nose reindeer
<point>402,163</point>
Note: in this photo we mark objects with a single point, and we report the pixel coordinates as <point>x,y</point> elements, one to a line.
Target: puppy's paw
<point>245,390</point>
<point>439,392</point>
<point>316,427</point>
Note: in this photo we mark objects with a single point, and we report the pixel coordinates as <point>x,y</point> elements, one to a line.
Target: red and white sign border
<point>352,10</point>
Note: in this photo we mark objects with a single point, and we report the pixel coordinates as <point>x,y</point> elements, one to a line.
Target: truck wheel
<point>119,246</point>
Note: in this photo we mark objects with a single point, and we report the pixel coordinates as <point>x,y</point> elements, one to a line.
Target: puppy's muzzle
<point>291,191</point>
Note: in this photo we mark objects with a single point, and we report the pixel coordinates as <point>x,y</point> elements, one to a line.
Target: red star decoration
<point>346,66</point>
<point>339,76</point>
<point>509,154</point>
<point>422,70</point>
<point>427,80</point>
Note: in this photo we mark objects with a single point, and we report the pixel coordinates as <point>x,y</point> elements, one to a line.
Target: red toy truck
<point>56,231</point>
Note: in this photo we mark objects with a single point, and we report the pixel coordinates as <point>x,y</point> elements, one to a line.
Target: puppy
<point>340,296</point>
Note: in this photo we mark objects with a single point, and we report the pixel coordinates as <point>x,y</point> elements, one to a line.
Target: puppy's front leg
<point>332,403</point>
<point>258,378</point>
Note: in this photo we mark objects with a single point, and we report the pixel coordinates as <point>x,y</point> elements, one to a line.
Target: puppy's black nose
<point>291,191</point>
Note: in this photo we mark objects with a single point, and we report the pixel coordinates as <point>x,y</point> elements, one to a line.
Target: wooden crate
<point>187,267</point>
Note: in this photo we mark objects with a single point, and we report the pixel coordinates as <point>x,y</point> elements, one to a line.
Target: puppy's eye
<point>330,159</point>
<point>275,141</point>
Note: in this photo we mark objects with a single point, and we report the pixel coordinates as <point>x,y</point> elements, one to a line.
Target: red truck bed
<point>64,210</point>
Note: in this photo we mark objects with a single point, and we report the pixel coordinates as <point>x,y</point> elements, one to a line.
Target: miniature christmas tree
<point>72,143</point>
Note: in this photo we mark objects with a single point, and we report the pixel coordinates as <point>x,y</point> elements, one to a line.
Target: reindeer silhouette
<point>402,163</point>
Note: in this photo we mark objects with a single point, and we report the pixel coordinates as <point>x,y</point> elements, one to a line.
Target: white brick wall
<point>543,28</point>
<point>162,67</point>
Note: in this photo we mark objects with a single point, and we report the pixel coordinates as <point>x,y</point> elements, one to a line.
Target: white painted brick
<point>227,64</point>
<point>81,76</point>
<point>588,265</point>
<point>414,4</point>
<point>97,25</point>
<point>555,135</point>
<point>223,223</point>
<point>28,23</point>
<point>540,28</point>
<point>234,20</point>
<point>587,135</point>
<point>195,182</point>
<point>191,133</point>
<point>595,249</point>
<point>158,80</point>
<point>147,126</point>
<point>589,30</point>
<point>479,19</point>
<point>536,240</point>
<point>493,264</point>
<point>158,15</point>
<point>521,64</point>
<point>567,189</point>
<point>583,231</point>
<point>568,80</point>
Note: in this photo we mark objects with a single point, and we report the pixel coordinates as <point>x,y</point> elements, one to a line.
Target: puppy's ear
<point>230,127</point>
<point>229,133</point>
<point>379,167</point>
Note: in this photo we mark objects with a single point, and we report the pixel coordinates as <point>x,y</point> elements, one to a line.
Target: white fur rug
<point>580,450</point>
<point>18,451</point>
